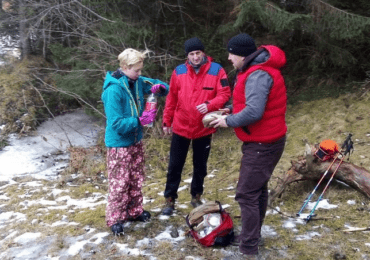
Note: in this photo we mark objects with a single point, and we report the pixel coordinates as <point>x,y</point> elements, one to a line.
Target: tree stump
<point>309,167</point>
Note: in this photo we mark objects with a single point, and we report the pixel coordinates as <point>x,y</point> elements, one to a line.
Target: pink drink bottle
<point>151,103</point>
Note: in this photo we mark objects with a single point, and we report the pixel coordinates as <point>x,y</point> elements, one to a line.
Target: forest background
<point>67,46</point>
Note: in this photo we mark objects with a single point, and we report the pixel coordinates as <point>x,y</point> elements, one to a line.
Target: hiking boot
<point>236,241</point>
<point>143,217</point>
<point>117,229</point>
<point>195,201</point>
<point>241,256</point>
<point>169,207</point>
<point>261,242</point>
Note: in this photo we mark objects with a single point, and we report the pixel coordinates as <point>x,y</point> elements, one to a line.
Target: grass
<point>310,122</point>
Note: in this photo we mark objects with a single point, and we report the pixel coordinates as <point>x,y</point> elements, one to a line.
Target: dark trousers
<point>257,164</point>
<point>178,152</point>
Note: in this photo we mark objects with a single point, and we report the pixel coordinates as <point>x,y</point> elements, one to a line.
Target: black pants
<point>178,152</point>
<point>257,165</point>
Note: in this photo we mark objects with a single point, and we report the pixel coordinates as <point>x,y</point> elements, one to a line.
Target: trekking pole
<point>314,190</point>
<point>349,146</point>
<point>322,194</point>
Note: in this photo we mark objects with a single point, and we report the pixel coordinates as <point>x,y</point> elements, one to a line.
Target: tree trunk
<point>23,31</point>
<point>180,4</point>
<point>310,168</point>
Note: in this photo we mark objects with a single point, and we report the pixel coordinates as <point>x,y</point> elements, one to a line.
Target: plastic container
<point>151,103</point>
<point>209,223</point>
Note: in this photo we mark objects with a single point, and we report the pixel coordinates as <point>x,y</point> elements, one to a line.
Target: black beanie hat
<point>193,44</point>
<point>241,45</point>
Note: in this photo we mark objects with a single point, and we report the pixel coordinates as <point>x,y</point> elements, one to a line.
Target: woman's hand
<point>157,88</point>
<point>148,117</point>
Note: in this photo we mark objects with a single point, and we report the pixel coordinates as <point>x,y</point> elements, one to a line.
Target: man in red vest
<point>258,117</point>
<point>197,87</point>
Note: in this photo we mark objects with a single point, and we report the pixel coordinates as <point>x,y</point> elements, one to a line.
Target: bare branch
<point>47,108</point>
<point>74,95</point>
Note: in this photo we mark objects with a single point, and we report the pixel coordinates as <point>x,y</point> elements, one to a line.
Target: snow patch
<point>3,197</point>
<point>12,216</point>
<point>78,245</point>
<point>323,204</point>
<point>27,237</point>
<point>351,202</point>
<point>308,236</point>
<point>167,236</point>
<point>126,250</point>
<point>183,188</point>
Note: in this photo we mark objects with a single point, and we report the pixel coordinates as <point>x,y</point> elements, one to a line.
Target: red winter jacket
<point>272,125</point>
<point>188,90</point>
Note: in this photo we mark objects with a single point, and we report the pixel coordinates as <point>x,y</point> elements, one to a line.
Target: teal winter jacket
<point>123,127</point>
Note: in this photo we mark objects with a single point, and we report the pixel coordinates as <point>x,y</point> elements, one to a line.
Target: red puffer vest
<point>272,125</point>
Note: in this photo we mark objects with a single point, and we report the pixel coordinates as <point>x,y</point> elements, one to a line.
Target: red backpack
<point>222,235</point>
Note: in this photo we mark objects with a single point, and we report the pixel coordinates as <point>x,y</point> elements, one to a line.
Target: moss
<point>92,217</point>
<point>19,100</point>
<point>83,190</point>
<point>52,216</point>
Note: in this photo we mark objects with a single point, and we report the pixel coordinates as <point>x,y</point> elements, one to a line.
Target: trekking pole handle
<point>347,145</point>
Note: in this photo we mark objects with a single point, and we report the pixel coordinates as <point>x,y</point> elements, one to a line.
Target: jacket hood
<point>109,80</point>
<point>271,56</point>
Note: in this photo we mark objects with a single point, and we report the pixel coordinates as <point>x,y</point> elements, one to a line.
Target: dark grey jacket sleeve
<point>257,89</point>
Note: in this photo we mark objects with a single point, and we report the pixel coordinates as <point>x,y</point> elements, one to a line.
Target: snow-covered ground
<point>8,46</point>
<point>42,156</point>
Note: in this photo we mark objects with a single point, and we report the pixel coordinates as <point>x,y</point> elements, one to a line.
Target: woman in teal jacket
<point>123,98</point>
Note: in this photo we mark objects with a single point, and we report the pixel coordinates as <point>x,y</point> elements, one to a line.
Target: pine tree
<point>320,38</point>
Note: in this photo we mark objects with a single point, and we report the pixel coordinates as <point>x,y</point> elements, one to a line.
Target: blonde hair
<point>130,57</point>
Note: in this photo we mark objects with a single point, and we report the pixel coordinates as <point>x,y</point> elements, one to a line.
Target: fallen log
<point>355,229</point>
<point>309,167</point>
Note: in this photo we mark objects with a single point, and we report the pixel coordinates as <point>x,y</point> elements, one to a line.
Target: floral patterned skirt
<point>125,178</point>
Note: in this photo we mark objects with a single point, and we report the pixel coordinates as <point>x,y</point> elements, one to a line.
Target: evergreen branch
<point>271,6</point>
<point>323,19</point>
<point>333,8</point>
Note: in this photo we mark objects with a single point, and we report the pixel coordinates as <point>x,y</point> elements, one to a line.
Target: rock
<point>209,117</point>
<point>174,233</point>
<point>338,256</point>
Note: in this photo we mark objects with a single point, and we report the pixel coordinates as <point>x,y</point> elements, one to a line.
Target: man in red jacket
<point>197,87</point>
<point>258,117</point>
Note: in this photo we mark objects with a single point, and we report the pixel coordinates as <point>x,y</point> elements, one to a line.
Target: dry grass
<point>307,122</point>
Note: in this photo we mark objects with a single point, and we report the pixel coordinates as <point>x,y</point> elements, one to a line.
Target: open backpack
<point>210,224</point>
